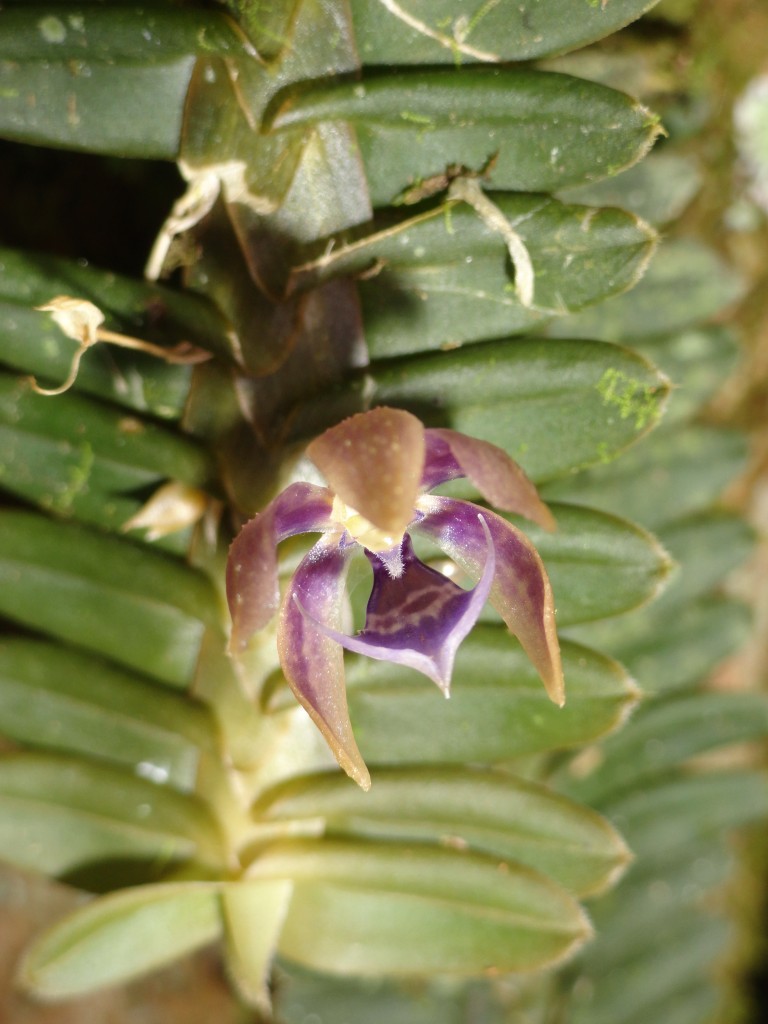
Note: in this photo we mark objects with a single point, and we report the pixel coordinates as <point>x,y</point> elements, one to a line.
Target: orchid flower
<point>381,467</point>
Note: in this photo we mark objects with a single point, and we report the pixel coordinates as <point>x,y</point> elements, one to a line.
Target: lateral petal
<point>253,592</point>
<point>313,663</point>
<point>497,477</point>
<point>373,461</point>
<point>521,592</point>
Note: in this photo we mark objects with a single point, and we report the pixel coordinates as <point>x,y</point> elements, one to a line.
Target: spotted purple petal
<point>497,477</point>
<point>520,592</point>
<point>253,593</point>
<point>312,662</point>
<point>419,618</point>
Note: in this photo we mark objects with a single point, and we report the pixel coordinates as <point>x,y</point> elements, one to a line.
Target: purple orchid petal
<point>313,664</point>
<point>253,593</point>
<point>520,593</point>
<point>418,619</point>
<point>497,477</point>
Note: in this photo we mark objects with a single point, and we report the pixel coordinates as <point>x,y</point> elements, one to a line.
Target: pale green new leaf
<point>136,606</point>
<point>494,813</point>
<point>58,698</point>
<point>394,908</point>
<point>76,819</point>
<point>118,937</point>
<point>253,915</point>
<point>526,130</point>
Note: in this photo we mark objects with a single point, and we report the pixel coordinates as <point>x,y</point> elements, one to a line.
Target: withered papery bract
<point>380,467</point>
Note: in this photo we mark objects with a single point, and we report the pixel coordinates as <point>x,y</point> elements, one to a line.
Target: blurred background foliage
<point>681,938</point>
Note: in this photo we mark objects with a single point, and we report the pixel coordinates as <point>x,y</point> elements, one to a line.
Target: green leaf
<point>146,34</point>
<point>498,708</point>
<point>685,284</point>
<point>76,457</point>
<point>54,697</point>
<point>306,183</point>
<point>497,814</point>
<point>664,734</point>
<point>707,545</point>
<point>118,937</point>
<point>690,465</point>
<point>134,605</point>
<point>657,189</point>
<point>130,451</point>
<point>253,916</point>
<point>538,130</point>
<point>32,343</point>
<point>434,32</point>
<point>679,929</point>
<point>351,999</point>
<point>85,821</point>
<point>553,405</point>
<point>654,914</point>
<point>598,565</point>
<point>679,638</point>
<point>631,917</point>
<point>674,650</point>
<point>661,822</point>
<point>669,971</point>
<point>697,361</point>
<point>128,110</point>
<point>362,907</point>
<point>444,276</point>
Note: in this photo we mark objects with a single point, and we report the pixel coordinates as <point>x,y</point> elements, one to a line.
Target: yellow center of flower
<point>361,529</point>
